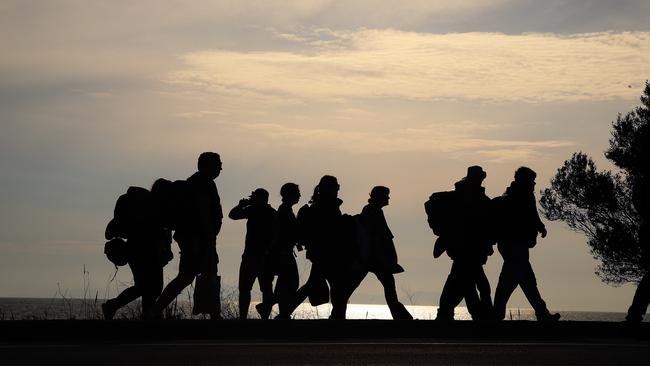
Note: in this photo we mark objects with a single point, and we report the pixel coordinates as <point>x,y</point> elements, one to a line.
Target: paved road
<point>397,352</point>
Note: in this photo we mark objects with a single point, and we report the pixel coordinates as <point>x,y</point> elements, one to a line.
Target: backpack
<point>131,210</point>
<point>179,200</point>
<point>439,208</point>
<point>117,251</point>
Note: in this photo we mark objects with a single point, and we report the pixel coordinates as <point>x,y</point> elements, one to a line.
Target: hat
<point>475,172</point>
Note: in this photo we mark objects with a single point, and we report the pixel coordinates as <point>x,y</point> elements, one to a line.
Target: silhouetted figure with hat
<point>198,221</point>
<point>148,245</point>
<point>281,260</point>
<point>641,201</point>
<point>381,254</point>
<point>321,232</point>
<point>468,243</point>
<point>260,221</point>
<point>517,224</point>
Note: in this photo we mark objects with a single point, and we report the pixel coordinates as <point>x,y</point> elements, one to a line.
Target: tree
<point>609,207</point>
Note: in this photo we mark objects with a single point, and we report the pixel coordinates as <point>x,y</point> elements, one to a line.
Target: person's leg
<point>316,276</point>
<point>485,292</point>
<point>173,289</point>
<point>470,294</point>
<point>640,301</point>
<point>452,292</point>
<point>528,284</point>
<point>123,298</point>
<point>265,281</point>
<point>247,277</point>
<point>286,286</point>
<point>151,285</point>
<point>110,307</point>
<point>338,293</point>
<point>508,282</point>
<point>397,309</point>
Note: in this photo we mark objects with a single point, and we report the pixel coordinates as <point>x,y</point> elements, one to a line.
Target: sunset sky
<point>96,96</point>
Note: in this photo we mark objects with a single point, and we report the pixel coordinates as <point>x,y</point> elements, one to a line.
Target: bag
<point>117,251</point>
<point>178,205</point>
<point>131,210</point>
<point>439,208</point>
<point>207,294</point>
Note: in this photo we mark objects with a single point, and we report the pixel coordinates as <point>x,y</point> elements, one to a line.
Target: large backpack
<point>132,209</point>
<point>439,209</point>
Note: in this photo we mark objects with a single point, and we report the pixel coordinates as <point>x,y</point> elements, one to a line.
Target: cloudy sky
<point>96,96</point>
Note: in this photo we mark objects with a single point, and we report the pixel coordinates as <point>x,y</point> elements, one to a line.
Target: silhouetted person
<point>518,224</point>
<point>260,223</point>
<point>321,232</point>
<point>148,241</point>
<point>199,222</point>
<point>281,260</point>
<point>641,200</point>
<point>382,256</point>
<point>468,244</point>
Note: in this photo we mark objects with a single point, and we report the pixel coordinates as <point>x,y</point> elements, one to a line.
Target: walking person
<point>148,243</point>
<point>381,254</point>
<point>517,224</point>
<point>321,228</point>
<point>468,243</point>
<point>260,221</point>
<point>198,219</point>
<point>281,260</point>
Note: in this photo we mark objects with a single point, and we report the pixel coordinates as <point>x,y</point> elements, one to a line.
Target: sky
<point>98,96</point>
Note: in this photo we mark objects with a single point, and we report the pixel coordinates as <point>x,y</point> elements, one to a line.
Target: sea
<point>70,308</point>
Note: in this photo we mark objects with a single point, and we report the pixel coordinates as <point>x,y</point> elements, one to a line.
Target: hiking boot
<point>264,310</point>
<point>108,311</point>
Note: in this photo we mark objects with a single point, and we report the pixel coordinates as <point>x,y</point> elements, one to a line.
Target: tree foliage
<point>607,206</point>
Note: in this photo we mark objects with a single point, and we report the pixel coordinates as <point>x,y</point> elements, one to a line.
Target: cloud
<point>452,139</point>
<point>493,67</point>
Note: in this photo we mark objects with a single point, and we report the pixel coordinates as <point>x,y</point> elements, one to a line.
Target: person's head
<point>290,193</point>
<point>525,177</point>
<point>475,175</point>
<point>379,195</point>
<point>260,196</point>
<point>328,187</point>
<point>209,164</point>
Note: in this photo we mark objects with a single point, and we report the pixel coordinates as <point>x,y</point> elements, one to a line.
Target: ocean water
<point>58,308</point>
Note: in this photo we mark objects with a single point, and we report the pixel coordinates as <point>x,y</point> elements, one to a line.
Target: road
<point>395,352</point>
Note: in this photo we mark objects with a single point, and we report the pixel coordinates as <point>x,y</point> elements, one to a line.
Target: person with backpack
<point>467,241</point>
<point>197,217</point>
<point>260,222</point>
<point>281,260</point>
<point>147,248</point>
<point>381,254</point>
<point>516,224</point>
<point>322,231</point>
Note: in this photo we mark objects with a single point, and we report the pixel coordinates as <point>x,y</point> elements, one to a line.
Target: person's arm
<point>541,228</point>
<point>240,211</point>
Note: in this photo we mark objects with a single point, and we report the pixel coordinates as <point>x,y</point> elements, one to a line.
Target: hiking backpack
<point>439,208</point>
<point>131,209</point>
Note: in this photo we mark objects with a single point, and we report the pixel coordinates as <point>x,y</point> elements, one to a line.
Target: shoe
<point>263,310</point>
<point>108,311</point>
